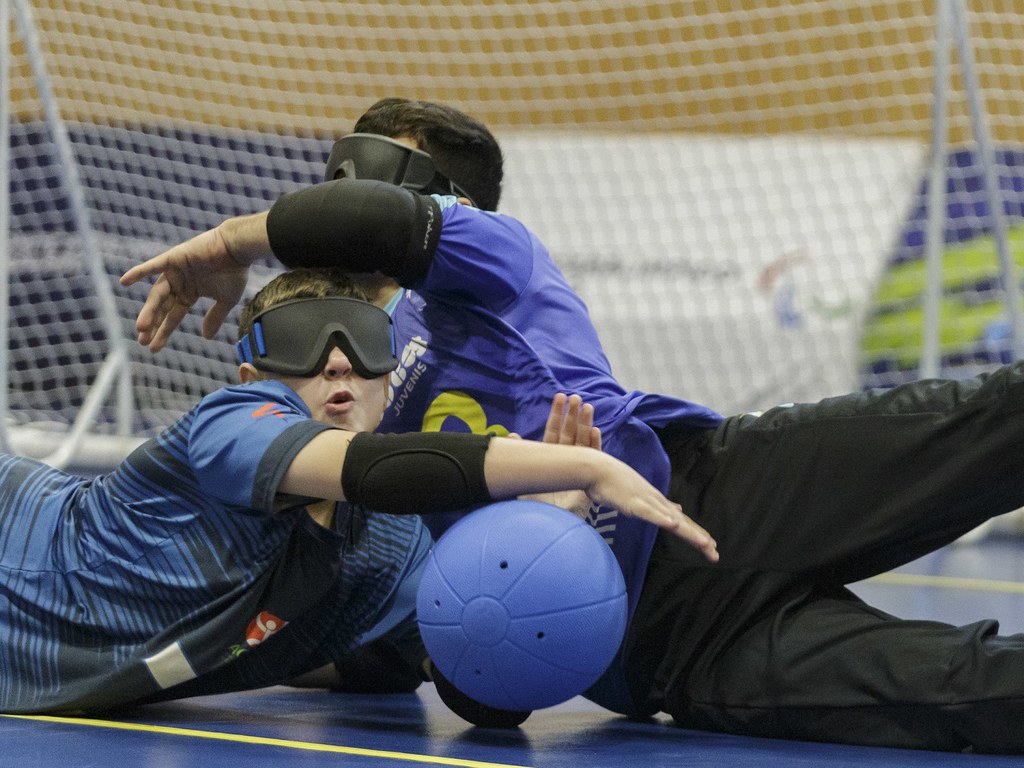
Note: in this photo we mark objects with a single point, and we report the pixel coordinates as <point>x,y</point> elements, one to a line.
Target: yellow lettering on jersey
<point>459,405</point>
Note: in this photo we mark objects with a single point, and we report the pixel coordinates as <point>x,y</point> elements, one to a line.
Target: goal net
<point>738,190</point>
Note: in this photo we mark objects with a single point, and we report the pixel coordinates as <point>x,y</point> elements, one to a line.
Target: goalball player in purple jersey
<point>489,335</point>
<point>802,499</point>
<point>241,547</point>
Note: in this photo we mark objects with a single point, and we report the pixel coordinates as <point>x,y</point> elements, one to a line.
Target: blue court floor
<point>289,727</point>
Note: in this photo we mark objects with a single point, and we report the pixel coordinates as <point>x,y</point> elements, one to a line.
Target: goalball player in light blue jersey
<point>238,548</point>
<point>802,500</point>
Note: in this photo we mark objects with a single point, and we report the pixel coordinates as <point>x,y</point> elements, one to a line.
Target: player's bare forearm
<point>519,466</point>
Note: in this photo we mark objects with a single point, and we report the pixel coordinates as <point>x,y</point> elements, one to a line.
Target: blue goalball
<point>522,605</point>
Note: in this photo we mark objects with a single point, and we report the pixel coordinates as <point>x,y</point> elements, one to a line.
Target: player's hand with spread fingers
<point>214,265</point>
<point>620,486</point>
<point>571,422</point>
<point>605,479</point>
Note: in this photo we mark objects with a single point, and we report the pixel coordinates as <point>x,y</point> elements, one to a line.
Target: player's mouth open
<point>340,402</point>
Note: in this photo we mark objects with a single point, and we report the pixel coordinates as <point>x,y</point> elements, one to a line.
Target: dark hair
<point>462,148</point>
<point>301,283</point>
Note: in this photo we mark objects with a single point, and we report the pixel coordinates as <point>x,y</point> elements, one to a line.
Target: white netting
<point>735,188</point>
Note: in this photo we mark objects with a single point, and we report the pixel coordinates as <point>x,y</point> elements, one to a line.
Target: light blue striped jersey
<point>183,571</point>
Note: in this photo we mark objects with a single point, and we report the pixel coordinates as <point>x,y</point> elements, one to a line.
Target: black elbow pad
<point>416,473</point>
<point>357,225</point>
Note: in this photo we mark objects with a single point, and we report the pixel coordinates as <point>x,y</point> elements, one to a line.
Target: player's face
<point>339,396</point>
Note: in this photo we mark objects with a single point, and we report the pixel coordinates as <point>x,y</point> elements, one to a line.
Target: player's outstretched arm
<point>571,422</point>
<point>214,264</point>
<point>515,465</point>
<point>421,473</point>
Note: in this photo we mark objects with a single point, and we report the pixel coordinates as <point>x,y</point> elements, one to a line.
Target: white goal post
<point>739,190</point>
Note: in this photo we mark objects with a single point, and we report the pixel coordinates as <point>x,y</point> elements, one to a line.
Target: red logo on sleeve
<point>268,409</point>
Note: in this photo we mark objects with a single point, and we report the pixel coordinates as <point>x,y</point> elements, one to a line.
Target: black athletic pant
<point>802,500</point>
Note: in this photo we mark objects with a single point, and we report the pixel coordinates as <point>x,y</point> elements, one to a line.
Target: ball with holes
<point>522,605</point>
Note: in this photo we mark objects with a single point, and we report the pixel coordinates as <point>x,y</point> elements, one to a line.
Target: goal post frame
<point>790,287</point>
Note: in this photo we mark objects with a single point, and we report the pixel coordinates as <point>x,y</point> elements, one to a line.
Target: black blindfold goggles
<point>369,156</point>
<point>296,337</point>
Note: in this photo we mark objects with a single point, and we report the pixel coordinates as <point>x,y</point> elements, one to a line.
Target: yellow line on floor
<point>264,741</point>
<point>949,582</point>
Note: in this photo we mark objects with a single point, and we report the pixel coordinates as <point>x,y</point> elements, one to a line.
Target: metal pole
<point>987,157</point>
<point>931,352</point>
<point>5,220</point>
<point>118,355</point>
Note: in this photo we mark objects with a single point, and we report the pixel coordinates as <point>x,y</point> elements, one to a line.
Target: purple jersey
<point>491,334</point>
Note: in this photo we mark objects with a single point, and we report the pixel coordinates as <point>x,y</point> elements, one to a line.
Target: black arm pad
<point>383,666</point>
<point>471,710</point>
<point>416,473</point>
<point>358,225</point>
